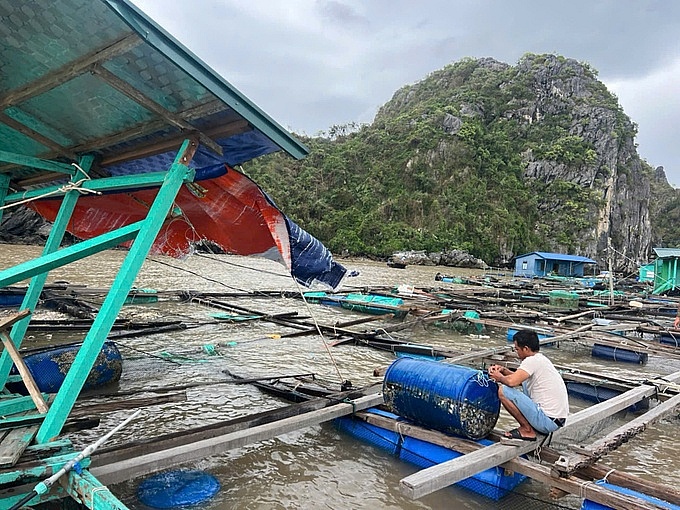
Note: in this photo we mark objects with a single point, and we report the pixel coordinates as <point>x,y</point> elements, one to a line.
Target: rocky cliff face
<point>563,87</point>
<point>576,144</point>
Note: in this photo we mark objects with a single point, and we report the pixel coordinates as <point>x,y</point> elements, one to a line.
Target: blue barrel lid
<point>182,487</point>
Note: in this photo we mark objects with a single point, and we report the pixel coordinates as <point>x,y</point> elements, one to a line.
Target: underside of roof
<point>99,77</point>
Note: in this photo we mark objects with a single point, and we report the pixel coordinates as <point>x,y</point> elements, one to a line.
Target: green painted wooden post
<point>86,489</point>
<point>82,364</point>
<point>38,282</point>
<point>4,187</point>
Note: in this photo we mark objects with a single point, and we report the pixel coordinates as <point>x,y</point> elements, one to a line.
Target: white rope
<point>70,186</point>
<point>318,328</point>
<point>608,473</point>
<point>583,488</point>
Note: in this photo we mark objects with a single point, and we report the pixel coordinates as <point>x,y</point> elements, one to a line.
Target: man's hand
<point>676,322</point>
<point>496,372</point>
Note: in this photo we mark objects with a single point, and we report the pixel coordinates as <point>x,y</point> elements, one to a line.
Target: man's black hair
<point>527,338</point>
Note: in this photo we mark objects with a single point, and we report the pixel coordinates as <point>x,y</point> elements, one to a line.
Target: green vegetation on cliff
<point>481,156</point>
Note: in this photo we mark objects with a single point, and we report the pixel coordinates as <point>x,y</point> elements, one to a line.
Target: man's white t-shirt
<point>545,386</point>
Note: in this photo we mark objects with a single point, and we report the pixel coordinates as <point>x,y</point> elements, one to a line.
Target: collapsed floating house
<point>116,133</point>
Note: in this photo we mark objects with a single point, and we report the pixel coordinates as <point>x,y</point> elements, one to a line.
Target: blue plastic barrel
<point>619,354</point>
<point>449,398</point>
<point>49,367</point>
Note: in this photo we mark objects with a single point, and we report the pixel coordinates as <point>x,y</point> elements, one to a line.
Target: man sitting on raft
<point>544,405</point>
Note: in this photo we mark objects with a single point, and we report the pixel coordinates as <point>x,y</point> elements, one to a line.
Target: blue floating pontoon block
<point>177,488</point>
<point>670,339</point>
<point>591,505</point>
<point>492,483</point>
<point>619,354</point>
<point>597,394</point>
<point>384,439</point>
<point>49,367</point>
<point>400,354</point>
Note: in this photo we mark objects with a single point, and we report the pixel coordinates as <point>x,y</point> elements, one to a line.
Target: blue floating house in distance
<point>538,264</point>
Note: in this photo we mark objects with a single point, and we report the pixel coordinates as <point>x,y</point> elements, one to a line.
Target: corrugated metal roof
<point>100,77</point>
<point>667,253</point>
<point>559,256</point>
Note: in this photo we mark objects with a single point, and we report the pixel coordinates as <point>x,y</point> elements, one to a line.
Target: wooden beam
<point>583,488</point>
<point>168,143</point>
<point>591,453</point>
<point>533,470</point>
<point>163,459</point>
<point>34,135</point>
<point>11,349</point>
<point>138,448</point>
<point>69,71</point>
<point>151,105</point>
<point>426,481</point>
<point>140,130</point>
<point>582,420</point>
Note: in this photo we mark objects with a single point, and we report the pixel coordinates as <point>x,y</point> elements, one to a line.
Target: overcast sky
<point>312,64</point>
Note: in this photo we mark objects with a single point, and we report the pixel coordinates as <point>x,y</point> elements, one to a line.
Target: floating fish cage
<point>591,505</point>
<point>141,297</point>
<point>493,483</point>
<point>49,367</point>
<point>563,299</point>
<point>461,324</point>
<point>321,298</point>
<point>366,303</point>
<point>619,354</point>
<point>450,398</point>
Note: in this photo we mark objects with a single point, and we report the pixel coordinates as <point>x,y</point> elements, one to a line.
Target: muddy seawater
<point>315,467</point>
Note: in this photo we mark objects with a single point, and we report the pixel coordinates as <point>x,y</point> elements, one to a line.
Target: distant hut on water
<point>538,264</point>
<point>666,270</point>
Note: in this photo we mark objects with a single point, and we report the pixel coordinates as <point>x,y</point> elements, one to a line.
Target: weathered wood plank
<point>547,454</point>
<point>592,453</point>
<point>156,461</point>
<point>583,488</point>
<point>14,444</point>
<point>582,420</point>
<point>429,480</point>
<point>26,376</point>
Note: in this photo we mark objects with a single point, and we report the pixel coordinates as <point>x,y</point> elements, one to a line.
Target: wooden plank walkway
<point>155,461</point>
<point>442,475</point>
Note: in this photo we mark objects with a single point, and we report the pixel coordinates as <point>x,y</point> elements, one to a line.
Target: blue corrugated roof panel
<point>560,256</point>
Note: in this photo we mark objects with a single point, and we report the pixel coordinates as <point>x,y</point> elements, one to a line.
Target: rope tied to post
<point>69,186</point>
